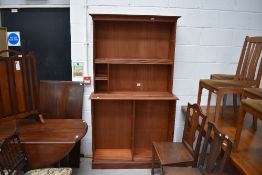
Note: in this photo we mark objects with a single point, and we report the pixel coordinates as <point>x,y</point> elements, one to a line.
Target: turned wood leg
<point>218,103</point>
<point>254,124</point>
<point>200,88</point>
<point>153,160</point>
<point>239,126</point>
<point>224,103</point>
<point>208,102</point>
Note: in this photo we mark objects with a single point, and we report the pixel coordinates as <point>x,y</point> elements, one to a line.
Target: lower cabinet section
<point>123,131</point>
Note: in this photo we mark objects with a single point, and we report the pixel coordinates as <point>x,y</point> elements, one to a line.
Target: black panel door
<point>47,33</point>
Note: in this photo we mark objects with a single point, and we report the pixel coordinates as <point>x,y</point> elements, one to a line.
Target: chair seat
<point>181,171</point>
<point>50,171</point>
<point>219,84</point>
<point>254,91</point>
<point>254,104</point>
<point>222,76</point>
<point>176,153</point>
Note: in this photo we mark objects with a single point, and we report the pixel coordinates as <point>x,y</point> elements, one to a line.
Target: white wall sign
<point>78,69</point>
<point>13,39</point>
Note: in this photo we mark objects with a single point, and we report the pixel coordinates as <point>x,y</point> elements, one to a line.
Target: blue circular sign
<point>13,38</point>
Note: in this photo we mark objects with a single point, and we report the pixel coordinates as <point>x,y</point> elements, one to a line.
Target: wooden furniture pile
<point>210,159</point>
<point>132,103</point>
<point>60,103</point>
<point>247,158</point>
<point>245,83</point>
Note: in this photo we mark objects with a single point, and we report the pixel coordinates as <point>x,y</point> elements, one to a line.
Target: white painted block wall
<point>210,34</point>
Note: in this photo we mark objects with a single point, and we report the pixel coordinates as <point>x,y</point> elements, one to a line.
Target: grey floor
<point>85,169</point>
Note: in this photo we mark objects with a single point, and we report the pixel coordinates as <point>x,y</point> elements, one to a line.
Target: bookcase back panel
<point>101,86</point>
<point>101,69</point>
<point>121,39</point>
<point>151,123</point>
<point>139,77</point>
<point>112,123</point>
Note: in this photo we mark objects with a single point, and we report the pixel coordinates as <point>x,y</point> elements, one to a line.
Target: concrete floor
<point>85,169</point>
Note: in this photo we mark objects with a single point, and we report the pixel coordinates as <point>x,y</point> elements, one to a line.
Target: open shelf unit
<point>132,103</point>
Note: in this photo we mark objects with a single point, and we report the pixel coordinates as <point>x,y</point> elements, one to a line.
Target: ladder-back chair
<point>248,74</point>
<point>210,162</point>
<point>13,160</point>
<point>183,153</point>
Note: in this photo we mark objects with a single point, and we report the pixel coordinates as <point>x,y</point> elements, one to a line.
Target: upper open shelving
<point>134,53</point>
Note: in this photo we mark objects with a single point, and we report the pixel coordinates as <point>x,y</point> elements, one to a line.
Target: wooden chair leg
<point>200,88</point>
<point>208,102</point>
<point>218,103</point>
<point>153,160</point>
<point>235,104</point>
<point>239,127</point>
<point>224,103</point>
<point>254,124</point>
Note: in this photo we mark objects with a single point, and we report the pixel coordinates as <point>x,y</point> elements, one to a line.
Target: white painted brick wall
<point>210,36</point>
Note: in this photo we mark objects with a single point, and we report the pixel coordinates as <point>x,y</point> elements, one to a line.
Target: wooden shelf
<point>133,96</point>
<point>113,154</point>
<point>132,61</point>
<point>143,154</point>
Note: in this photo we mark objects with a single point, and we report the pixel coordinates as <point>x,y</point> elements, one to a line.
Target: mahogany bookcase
<point>132,103</point>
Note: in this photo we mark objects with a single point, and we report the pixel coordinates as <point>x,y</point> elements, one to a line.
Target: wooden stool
<point>254,93</point>
<point>251,106</point>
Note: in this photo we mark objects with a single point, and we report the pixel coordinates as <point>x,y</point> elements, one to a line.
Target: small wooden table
<point>46,144</point>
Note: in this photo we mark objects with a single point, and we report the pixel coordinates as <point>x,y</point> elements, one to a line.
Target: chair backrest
<point>195,121</point>
<point>248,69</point>
<point>212,162</point>
<point>18,84</point>
<point>12,156</point>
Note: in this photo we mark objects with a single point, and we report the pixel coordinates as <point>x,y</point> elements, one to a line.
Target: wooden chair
<point>248,75</point>
<point>251,106</point>
<point>182,153</point>
<point>13,160</point>
<point>209,161</point>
